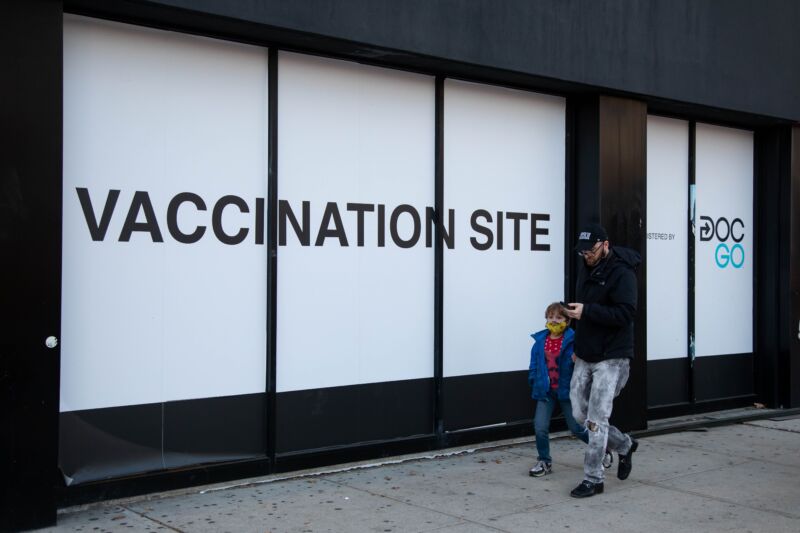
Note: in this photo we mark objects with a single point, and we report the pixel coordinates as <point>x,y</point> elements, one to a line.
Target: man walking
<point>607,295</point>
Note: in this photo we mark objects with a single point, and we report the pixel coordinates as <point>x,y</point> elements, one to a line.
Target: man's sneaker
<point>541,469</point>
<point>586,489</point>
<point>626,461</point>
<point>608,460</point>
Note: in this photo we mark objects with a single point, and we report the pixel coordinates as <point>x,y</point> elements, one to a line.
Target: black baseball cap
<point>590,235</point>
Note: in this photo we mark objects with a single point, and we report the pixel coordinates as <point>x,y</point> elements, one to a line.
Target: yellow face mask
<point>556,328</point>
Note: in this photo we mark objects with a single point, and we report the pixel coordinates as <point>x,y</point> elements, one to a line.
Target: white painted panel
<point>667,237</point>
<point>504,151</point>
<point>724,241</point>
<point>162,113</point>
<point>354,134</point>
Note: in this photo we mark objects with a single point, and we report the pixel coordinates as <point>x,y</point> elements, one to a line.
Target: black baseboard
<point>724,376</point>
<point>717,377</point>
<point>667,381</point>
<point>486,399</point>
<point>307,420</point>
<point>98,444</point>
<point>228,428</point>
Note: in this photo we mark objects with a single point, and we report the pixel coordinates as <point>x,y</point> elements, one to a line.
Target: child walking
<point>549,376</point>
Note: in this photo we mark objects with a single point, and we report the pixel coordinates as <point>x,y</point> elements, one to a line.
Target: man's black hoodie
<point>608,294</point>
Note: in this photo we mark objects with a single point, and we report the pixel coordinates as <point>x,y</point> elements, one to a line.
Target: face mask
<point>556,328</point>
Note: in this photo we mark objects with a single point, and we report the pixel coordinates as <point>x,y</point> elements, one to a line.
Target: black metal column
<point>791,396</point>
<point>438,279</point>
<point>690,297</point>
<point>30,270</point>
<point>623,206</point>
<point>771,291</point>
<point>611,186</point>
<point>272,247</point>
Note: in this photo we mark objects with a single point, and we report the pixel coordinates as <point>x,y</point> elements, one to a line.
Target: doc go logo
<point>723,230</point>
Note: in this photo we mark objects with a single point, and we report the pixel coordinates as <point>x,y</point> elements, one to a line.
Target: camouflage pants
<point>592,391</point>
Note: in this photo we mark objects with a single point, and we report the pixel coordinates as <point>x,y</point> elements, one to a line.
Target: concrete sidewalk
<point>737,478</point>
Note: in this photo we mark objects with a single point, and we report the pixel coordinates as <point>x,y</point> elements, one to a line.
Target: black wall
<point>30,248</point>
<point>772,155</point>
<point>722,54</point>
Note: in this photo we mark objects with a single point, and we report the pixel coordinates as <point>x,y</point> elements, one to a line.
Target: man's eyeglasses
<point>595,249</point>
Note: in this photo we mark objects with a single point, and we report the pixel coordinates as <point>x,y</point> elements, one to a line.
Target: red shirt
<point>552,349</point>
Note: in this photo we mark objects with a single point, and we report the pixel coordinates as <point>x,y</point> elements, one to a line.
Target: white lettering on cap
<point>585,236</point>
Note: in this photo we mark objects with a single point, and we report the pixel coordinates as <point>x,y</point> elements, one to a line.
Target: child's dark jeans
<point>541,424</point>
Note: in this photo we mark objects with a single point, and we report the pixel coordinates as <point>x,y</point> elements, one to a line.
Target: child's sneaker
<point>541,469</point>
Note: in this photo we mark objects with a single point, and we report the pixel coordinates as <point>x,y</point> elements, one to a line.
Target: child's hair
<point>555,309</point>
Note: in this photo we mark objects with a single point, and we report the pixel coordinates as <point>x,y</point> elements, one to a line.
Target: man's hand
<point>575,311</point>
<point>574,357</point>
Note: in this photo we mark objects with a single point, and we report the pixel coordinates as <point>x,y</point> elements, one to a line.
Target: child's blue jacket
<point>538,377</point>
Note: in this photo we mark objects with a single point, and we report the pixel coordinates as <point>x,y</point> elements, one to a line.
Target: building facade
<point>249,237</point>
